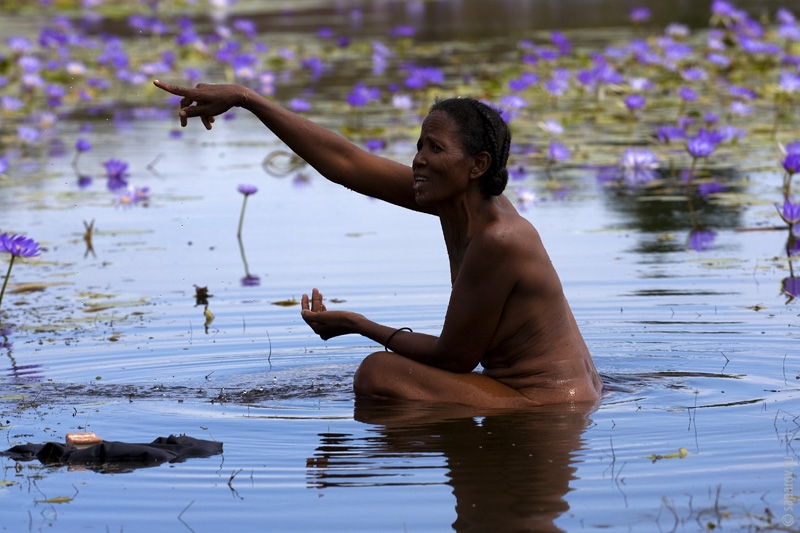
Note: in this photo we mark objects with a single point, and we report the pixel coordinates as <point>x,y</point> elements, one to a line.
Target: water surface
<point>698,346</point>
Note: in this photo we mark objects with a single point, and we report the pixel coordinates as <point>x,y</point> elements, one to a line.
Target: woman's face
<point>441,168</point>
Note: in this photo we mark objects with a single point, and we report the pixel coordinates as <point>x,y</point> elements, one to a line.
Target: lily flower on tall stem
<point>634,102</point>
<point>17,246</point>
<point>246,190</point>
<point>701,145</point>
<point>556,152</point>
<point>790,213</point>
<point>639,166</point>
<point>81,146</point>
<point>791,164</point>
<point>640,15</point>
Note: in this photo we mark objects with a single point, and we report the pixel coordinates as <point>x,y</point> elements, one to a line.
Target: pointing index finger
<point>174,89</point>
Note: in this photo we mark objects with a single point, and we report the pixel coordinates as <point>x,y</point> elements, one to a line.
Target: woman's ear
<point>481,163</point>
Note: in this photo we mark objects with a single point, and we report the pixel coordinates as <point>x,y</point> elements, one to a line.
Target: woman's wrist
<point>245,98</point>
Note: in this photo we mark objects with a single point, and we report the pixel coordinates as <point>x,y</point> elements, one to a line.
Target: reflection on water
<point>670,205</point>
<point>249,280</point>
<point>19,374</point>
<point>508,471</point>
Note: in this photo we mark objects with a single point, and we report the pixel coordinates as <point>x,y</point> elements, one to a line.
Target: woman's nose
<point>418,160</point>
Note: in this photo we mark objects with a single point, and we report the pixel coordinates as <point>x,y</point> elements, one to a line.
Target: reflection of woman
<point>507,310</point>
<point>509,472</point>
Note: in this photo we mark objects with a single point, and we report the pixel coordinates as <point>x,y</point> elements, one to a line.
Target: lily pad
<point>286,303</point>
<point>24,288</point>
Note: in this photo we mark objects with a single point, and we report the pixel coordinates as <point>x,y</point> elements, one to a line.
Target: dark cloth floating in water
<point>116,457</point>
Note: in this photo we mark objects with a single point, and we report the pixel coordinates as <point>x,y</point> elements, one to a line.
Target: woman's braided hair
<point>482,129</point>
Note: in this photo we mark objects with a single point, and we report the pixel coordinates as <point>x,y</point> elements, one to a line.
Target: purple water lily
<point>402,31</point>
<point>640,14</point>
<point>246,190</point>
<point>558,152</point>
<point>421,77</point>
<point>525,198</point>
<point>373,145</point>
<point>790,213</point>
<point>791,288</point>
<point>553,127</point>
<point>687,94</point>
<point>81,146</point>
<point>668,134</point>
<point>789,81</point>
<point>701,145</point>
<point>362,95</point>
<point>561,42</point>
<point>299,105</point>
<point>634,102</point>
<point>791,163</point>
<point>116,172</point>
<point>638,166</point>
<point>525,80</point>
<point>17,246</point>
<point>730,133</point>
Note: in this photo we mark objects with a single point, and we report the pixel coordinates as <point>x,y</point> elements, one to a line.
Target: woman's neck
<point>461,221</point>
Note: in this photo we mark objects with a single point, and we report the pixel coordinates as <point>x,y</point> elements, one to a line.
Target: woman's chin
<point>420,199</point>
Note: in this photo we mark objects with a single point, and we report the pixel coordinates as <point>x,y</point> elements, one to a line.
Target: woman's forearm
<point>419,347</point>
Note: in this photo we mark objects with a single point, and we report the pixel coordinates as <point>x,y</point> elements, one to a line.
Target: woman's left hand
<point>326,324</point>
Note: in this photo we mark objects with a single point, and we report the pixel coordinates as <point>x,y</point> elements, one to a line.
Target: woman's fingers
<point>186,100</point>
<point>174,89</point>
<point>204,101</point>
<point>316,301</point>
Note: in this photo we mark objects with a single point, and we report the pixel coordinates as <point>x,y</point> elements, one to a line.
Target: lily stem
<point>241,216</point>
<point>5,281</point>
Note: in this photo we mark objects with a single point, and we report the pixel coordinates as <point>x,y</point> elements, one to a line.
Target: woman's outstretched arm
<point>332,155</point>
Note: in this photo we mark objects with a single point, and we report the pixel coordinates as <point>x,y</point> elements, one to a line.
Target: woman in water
<point>507,310</point>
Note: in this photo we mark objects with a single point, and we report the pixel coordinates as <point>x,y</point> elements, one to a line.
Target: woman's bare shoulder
<point>512,233</point>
